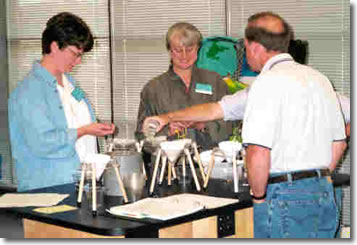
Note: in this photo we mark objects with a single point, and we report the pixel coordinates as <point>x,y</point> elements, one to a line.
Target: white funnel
<point>173,149</point>
<point>100,161</point>
<point>187,142</point>
<point>230,148</point>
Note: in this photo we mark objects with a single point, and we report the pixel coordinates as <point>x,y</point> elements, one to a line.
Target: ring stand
<point>84,166</point>
<point>94,186</point>
<point>235,162</point>
<point>168,153</point>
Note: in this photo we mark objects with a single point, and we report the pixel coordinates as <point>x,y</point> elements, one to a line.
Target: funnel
<point>100,161</point>
<point>206,157</point>
<point>187,142</point>
<point>173,149</point>
<point>229,148</point>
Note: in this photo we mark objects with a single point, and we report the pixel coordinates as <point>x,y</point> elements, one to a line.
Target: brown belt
<point>299,175</point>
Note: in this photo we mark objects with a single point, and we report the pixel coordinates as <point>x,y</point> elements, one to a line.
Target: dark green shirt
<point>167,92</point>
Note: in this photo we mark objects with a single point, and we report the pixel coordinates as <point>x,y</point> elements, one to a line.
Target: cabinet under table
<point>233,221</point>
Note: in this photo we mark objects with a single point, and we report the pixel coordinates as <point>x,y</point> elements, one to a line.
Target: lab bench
<point>234,220</point>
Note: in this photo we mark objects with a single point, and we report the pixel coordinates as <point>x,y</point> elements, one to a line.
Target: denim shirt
<point>43,147</point>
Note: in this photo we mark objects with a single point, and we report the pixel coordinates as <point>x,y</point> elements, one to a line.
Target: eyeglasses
<point>188,50</point>
<point>76,54</point>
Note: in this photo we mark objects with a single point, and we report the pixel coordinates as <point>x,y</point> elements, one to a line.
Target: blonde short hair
<point>187,32</point>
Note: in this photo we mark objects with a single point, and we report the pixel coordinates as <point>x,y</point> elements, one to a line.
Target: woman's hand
<point>96,129</point>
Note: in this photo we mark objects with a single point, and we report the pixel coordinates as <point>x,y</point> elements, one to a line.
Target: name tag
<point>203,88</point>
<point>78,94</point>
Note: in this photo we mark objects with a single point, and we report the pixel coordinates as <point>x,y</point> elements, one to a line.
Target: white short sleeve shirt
<point>345,106</point>
<point>293,110</point>
<point>233,105</point>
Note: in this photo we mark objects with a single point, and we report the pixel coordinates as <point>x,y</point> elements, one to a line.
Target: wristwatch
<point>259,198</point>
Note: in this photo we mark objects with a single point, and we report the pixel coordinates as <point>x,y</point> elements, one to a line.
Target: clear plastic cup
<point>151,129</point>
<point>100,190</point>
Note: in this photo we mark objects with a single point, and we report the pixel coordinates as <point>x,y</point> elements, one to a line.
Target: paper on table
<point>170,207</point>
<point>28,199</point>
<point>209,202</point>
<point>155,208</point>
<point>55,209</point>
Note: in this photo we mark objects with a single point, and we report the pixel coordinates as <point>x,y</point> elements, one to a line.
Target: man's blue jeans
<point>338,198</point>
<point>303,208</point>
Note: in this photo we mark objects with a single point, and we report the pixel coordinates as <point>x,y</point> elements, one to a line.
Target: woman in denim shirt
<point>52,125</point>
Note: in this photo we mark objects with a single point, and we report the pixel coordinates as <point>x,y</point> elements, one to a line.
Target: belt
<point>299,175</point>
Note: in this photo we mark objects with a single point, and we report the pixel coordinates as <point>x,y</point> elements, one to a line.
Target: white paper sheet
<point>9,200</point>
<point>170,207</point>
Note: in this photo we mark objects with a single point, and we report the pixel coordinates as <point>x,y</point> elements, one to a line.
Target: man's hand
<point>161,121</point>
<point>96,129</point>
<point>177,127</point>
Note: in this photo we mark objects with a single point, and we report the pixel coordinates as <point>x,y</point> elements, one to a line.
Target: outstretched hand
<point>96,129</point>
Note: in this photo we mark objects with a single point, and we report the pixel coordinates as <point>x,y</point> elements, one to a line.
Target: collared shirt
<point>293,110</point>
<point>167,93</point>
<point>42,144</point>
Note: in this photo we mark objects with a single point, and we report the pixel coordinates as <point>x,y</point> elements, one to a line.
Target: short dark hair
<point>66,29</point>
<point>270,40</point>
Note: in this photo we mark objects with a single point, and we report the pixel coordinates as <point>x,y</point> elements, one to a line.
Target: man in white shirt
<point>293,132</point>
<point>294,136</point>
